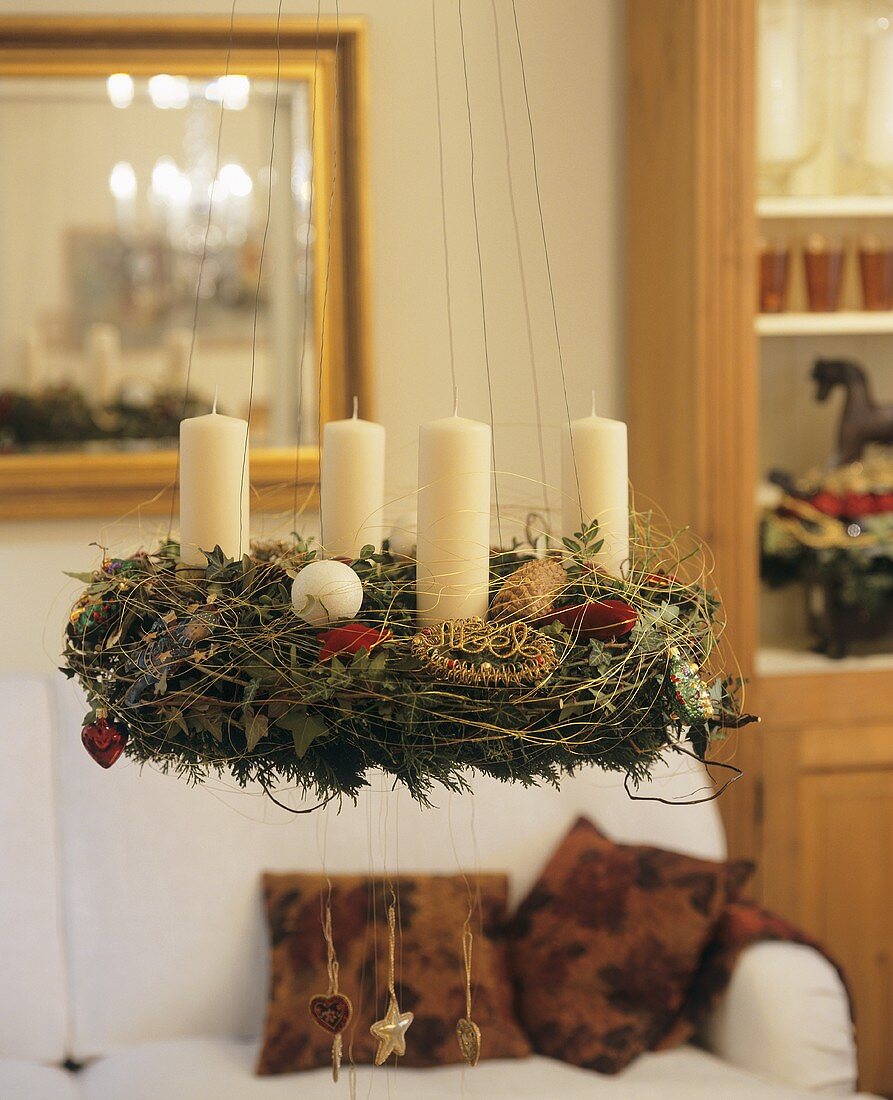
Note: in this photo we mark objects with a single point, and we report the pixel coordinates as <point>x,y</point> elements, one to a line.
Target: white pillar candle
<point>351,486</point>
<point>879,100</point>
<point>595,485</point>
<point>213,486</point>
<point>453,551</point>
<point>103,352</point>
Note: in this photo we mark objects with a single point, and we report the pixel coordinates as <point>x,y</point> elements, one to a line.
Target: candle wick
<point>356,406</point>
<point>593,402</point>
<point>455,401</point>
<point>214,406</point>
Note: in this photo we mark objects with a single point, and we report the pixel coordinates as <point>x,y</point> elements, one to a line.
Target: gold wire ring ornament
<point>474,652</point>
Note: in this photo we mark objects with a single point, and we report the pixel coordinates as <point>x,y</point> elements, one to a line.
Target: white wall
<point>572,50</point>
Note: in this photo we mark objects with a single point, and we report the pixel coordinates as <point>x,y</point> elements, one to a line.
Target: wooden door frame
<point>691,344</point>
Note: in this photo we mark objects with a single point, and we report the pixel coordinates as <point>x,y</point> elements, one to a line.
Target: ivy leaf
<point>84,578</point>
<point>257,727</point>
<point>303,727</point>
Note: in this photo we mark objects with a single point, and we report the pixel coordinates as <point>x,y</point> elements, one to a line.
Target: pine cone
<point>530,591</point>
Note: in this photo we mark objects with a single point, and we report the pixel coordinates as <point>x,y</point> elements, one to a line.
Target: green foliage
<point>209,670</point>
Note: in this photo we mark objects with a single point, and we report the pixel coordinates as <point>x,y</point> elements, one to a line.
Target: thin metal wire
<point>542,221</point>
<point>477,241</point>
<point>300,409</point>
<point>443,217</point>
<point>263,249</point>
<point>521,269</point>
<point>325,294</point>
<point>201,266</point>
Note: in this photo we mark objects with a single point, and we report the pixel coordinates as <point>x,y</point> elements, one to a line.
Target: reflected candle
<point>213,486</point>
<point>453,550</point>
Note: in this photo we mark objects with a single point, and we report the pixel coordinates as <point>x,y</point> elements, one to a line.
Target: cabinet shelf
<point>846,322</point>
<point>826,206</point>
<point>791,662</point>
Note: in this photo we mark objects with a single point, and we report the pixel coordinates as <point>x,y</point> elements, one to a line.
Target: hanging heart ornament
<point>469,1036</point>
<point>331,1011</point>
<point>104,741</point>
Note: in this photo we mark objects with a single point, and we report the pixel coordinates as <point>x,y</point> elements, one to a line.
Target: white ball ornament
<point>326,591</point>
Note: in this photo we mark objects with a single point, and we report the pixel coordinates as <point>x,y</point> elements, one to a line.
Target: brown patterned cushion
<point>606,944</point>
<point>430,974</point>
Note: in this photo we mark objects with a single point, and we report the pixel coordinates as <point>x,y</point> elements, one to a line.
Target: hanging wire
<point>477,241</point>
<point>300,409</point>
<point>542,221</point>
<point>521,269</point>
<point>201,266</point>
<point>325,295</point>
<point>443,217</point>
<point>263,248</point>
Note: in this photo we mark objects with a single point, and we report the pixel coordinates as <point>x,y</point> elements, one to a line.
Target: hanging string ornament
<point>332,1010</point>
<point>468,1034</point>
<point>391,1030</point>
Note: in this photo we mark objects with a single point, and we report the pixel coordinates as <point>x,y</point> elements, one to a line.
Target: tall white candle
<point>595,485</point>
<point>879,100</point>
<point>453,552</point>
<point>352,486</point>
<point>213,486</point>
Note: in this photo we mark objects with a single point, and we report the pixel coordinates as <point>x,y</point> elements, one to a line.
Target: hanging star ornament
<point>391,1032</point>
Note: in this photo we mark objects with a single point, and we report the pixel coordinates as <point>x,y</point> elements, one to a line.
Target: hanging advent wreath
<point>281,668</point>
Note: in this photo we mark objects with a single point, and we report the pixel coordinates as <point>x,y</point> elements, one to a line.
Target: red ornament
<point>827,503</point>
<point>350,639</point>
<point>104,741</point>
<point>603,619</point>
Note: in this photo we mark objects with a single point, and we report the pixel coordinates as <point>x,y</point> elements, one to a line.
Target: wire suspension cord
<point>543,235</point>
<point>443,217</point>
<point>522,273</point>
<point>307,239</point>
<point>201,267</point>
<point>263,244</point>
<point>325,295</point>
<point>477,241</point>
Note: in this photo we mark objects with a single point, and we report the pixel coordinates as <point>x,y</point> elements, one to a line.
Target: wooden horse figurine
<point>863,421</point>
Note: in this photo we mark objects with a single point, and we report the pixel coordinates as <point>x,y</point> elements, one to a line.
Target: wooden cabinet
<point>828,829</point>
<point>815,807</point>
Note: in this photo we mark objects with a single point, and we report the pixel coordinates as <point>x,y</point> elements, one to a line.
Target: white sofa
<point>133,941</point>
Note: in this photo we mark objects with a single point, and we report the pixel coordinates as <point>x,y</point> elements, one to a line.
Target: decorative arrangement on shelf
<point>833,534</point>
<point>63,416</point>
<point>862,421</point>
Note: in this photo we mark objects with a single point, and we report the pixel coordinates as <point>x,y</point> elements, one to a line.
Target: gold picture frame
<point>73,484</point>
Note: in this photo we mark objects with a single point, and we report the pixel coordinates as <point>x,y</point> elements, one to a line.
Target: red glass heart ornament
<point>104,741</point>
<point>332,1011</point>
<point>606,620</point>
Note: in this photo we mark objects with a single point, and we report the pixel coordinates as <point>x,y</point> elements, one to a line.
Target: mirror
<point>183,204</point>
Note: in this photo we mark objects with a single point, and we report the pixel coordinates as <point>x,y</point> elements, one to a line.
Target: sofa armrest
<point>786,1016</point>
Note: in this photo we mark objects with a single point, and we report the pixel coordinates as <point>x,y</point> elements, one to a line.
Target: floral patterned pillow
<point>430,975</point>
<point>605,945</point>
